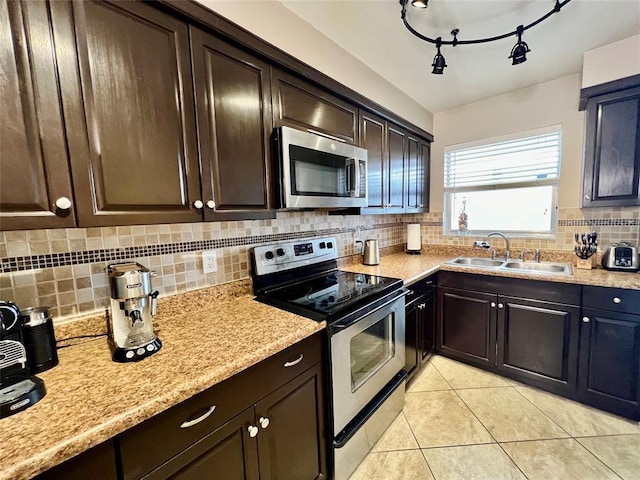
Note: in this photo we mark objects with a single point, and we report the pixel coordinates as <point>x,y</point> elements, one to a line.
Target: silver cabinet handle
<point>617,300</point>
<point>211,204</point>
<point>204,416</point>
<point>294,362</point>
<point>253,430</point>
<point>493,304</point>
<point>264,422</point>
<point>421,205</point>
<point>587,197</point>
<point>63,203</point>
<point>198,204</point>
<point>586,319</point>
<point>500,305</point>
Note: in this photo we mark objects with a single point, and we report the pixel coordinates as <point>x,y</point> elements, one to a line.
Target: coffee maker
<point>133,305</point>
<point>18,388</point>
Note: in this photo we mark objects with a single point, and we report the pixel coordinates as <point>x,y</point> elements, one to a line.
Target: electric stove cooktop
<point>330,295</point>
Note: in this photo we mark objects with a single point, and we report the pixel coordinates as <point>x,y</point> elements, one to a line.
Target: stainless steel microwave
<point>316,171</point>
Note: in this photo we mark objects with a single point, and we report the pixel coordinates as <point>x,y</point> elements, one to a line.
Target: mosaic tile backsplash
<point>65,268</point>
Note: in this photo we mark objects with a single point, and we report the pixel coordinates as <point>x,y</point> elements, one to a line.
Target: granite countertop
<point>412,268</point>
<point>209,335</point>
<point>91,398</point>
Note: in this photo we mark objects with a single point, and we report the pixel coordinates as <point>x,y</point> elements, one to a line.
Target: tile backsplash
<point>65,268</point>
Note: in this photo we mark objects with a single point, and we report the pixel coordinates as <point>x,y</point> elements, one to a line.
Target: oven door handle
<point>341,326</point>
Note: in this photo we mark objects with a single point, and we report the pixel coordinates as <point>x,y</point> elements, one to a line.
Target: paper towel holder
<point>414,241</point>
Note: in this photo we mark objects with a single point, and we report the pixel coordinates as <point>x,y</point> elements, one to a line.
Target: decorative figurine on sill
<point>463,218</point>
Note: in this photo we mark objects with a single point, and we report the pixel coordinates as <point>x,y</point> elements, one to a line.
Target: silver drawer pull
<point>585,319</point>
<point>617,300</point>
<point>264,422</point>
<point>204,416</point>
<point>294,362</point>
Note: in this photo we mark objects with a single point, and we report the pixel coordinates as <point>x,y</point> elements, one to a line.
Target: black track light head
<point>439,62</point>
<point>520,49</point>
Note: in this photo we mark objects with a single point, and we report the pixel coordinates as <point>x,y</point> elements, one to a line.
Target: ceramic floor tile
<point>509,416</point>
<point>429,379</point>
<point>397,437</point>
<point>578,420</point>
<point>563,459</point>
<point>402,465</point>
<point>460,375</point>
<point>473,462</point>
<point>621,453</point>
<point>440,419</point>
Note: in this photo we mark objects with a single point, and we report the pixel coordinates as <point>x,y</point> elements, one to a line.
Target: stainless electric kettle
<point>371,252</point>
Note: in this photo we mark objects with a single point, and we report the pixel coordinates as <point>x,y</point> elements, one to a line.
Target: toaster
<point>621,256</point>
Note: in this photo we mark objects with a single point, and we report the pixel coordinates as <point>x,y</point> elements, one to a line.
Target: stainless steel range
<point>365,335</point>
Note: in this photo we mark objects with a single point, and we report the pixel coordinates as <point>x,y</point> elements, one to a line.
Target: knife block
<point>585,263</point>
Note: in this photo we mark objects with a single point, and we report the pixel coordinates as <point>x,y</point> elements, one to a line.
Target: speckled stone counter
<point>90,398</point>
<point>412,268</point>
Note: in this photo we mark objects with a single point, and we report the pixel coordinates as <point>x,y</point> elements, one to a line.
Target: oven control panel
<point>289,255</point>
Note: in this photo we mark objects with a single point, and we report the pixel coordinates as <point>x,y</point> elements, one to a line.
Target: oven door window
<point>370,350</point>
<point>321,174</point>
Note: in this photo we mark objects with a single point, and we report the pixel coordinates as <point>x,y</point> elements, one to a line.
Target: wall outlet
<point>209,261</point>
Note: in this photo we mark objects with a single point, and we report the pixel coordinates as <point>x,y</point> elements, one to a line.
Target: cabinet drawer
<point>614,299</point>
<point>153,442</point>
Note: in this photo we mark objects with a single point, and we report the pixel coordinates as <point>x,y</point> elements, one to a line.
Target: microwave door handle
<point>357,179</point>
<point>326,135</point>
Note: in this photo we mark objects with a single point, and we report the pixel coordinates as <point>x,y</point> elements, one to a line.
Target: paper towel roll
<point>414,242</point>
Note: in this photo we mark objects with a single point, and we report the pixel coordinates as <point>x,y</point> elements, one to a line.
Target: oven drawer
<point>156,440</point>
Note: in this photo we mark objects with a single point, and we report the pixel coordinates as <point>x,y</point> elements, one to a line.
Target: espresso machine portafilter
<point>133,305</point>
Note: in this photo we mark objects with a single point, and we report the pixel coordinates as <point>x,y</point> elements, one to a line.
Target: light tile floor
<point>461,423</point>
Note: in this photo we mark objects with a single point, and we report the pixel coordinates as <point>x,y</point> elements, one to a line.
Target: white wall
<point>273,22</point>
<point>550,103</point>
<point>611,62</point>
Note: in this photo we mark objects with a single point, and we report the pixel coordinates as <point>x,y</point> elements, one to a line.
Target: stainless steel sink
<point>476,262</point>
<point>562,268</point>
<point>511,265</point>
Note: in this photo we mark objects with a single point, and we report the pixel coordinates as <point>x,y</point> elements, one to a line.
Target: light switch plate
<point>209,261</point>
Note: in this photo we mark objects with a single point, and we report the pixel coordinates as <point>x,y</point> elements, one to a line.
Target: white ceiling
<point>372,31</point>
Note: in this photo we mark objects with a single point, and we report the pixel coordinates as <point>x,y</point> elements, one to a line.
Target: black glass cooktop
<point>330,295</point>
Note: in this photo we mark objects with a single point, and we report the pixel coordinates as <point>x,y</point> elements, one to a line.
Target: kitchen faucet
<point>485,244</point>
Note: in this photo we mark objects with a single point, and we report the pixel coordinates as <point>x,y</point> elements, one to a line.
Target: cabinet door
<point>538,343</point>
<point>34,172</point>
<point>291,442</point>
<point>413,318</point>
<point>612,154</point>
<point>467,326</point>
<point>427,331</point>
<point>424,179</point>
<point>233,107</point>
<point>395,181</point>
<point>301,105</point>
<point>609,369</point>
<point>415,175</point>
<point>373,137</point>
<point>128,105</point>
<point>227,453</point>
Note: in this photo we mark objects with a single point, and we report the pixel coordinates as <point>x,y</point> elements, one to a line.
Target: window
<point>507,184</point>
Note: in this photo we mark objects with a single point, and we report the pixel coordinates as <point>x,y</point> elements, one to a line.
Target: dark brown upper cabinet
<point>35,182</point>
<point>126,87</point>
<point>373,137</point>
<point>301,105</point>
<point>233,108</point>
<point>612,150</point>
<point>417,175</point>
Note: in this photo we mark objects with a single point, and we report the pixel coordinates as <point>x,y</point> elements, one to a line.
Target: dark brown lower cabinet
<point>609,369</point>
<point>538,341</point>
<point>98,462</point>
<point>420,314</point>
<point>467,326</point>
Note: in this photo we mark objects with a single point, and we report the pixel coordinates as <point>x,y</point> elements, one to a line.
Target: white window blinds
<point>527,161</point>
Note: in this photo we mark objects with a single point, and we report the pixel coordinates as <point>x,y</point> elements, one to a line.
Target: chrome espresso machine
<point>133,305</point>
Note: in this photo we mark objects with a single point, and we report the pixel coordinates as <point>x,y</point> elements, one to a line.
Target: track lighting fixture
<point>518,52</point>
<point>439,62</point>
